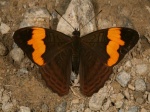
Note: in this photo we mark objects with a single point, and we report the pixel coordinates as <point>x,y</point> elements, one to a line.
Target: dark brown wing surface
<point>57,72</point>
<point>51,50</point>
<point>93,71</point>
<point>100,51</point>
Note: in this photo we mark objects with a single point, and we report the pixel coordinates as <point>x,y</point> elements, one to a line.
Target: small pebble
<point>96,102</point>
<point>133,109</point>
<point>118,104</point>
<point>2,2</point>
<point>24,109</point>
<point>121,110</point>
<point>7,107</point>
<point>141,69</point>
<point>22,71</point>
<point>143,110</point>
<point>137,94</point>
<point>123,78</point>
<point>81,107</point>
<point>116,87</point>
<point>140,85</point>
<point>119,96</point>
<point>3,49</point>
<point>97,99</point>
<point>140,100</point>
<point>36,17</point>
<point>131,87</point>
<point>107,104</point>
<point>5,97</point>
<point>87,110</point>
<point>126,93</point>
<point>4,28</point>
<point>116,97</point>
<point>17,54</point>
<point>75,101</point>
<point>61,107</point>
<point>44,108</point>
<point>128,64</point>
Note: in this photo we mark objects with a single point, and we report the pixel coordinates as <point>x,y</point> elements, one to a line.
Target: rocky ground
<point>21,86</point>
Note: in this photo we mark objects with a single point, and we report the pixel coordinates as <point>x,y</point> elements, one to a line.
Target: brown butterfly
<point>92,56</point>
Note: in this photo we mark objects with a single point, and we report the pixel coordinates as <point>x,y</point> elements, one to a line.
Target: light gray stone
<point>36,17</point>
<point>61,107</point>
<point>7,107</point>
<point>140,85</point>
<point>24,109</point>
<point>123,78</point>
<point>17,54</point>
<point>22,71</point>
<point>118,104</point>
<point>4,28</point>
<point>121,110</point>
<point>97,99</point>
<point>116,97</point>
<point>133,109</point>
<point>44,108</point>
<point>78,14</point>
<point>95,102</point>
<point>141,68</point>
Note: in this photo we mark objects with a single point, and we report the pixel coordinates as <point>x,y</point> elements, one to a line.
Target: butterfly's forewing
<point>101,50</point>
<point>51,50</point>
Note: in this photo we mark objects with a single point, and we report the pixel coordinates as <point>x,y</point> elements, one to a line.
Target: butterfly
<point>92,56</point>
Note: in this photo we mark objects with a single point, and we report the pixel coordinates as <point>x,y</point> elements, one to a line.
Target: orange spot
<point>113,45</point>
<point>38,34</point>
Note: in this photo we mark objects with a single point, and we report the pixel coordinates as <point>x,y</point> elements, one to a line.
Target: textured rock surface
<point>78,14</point>
<point>123,78</point>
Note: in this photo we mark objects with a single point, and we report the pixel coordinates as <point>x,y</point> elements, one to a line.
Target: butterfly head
<point>76,32</point>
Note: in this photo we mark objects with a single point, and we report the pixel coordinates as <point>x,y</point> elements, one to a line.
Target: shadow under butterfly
<point>91,56</point>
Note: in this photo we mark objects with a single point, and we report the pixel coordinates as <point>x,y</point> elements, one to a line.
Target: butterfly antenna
<point>65,19</point>
<point>91,19</point>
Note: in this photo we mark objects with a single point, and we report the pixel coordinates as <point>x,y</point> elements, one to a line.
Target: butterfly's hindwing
<point>57,72</point>
<point>93,71</point>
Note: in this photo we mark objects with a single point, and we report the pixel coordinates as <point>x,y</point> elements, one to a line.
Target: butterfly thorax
<point>76,51</point>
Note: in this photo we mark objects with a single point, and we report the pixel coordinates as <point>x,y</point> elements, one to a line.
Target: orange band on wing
<point>38,34</point>
<point>113,45</point>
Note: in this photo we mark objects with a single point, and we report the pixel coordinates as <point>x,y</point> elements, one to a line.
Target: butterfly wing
<point>100,51</point>
<point>51,50</point>
<point>57,72</point>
